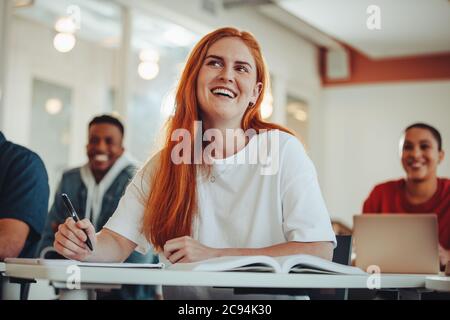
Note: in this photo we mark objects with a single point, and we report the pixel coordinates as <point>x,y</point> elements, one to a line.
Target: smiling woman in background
<point>422,191</point>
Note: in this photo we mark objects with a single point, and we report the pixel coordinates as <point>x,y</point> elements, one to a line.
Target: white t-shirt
<point>244,203</point>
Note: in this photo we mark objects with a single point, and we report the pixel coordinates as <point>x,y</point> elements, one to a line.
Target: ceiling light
<point>300,115</point>
<point>297,110</point>
<point>148,70</point>
<point>53,106</point>
<point>64,42</point>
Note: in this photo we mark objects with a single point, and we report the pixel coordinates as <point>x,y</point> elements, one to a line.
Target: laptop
<point>397,243</point>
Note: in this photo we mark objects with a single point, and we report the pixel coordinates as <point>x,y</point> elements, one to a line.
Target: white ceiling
<point>408,27</point>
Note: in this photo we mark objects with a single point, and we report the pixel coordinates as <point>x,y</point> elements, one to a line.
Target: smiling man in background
<point>95,190</point>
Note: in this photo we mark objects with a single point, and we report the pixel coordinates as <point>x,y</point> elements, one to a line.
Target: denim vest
<point>73,186</point>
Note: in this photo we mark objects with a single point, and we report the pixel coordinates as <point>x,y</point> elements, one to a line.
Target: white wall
<point>363,125</point>
<point>5,14</point>
<point>87,70</point>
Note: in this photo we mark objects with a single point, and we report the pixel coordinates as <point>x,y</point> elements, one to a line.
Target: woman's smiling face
<point>420,154</point>
<point>226,84</point>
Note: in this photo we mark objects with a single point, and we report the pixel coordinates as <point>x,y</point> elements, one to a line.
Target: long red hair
<point>172,202</point>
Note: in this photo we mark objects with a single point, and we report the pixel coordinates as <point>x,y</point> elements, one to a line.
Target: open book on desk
<point>299,263</point>
<point>66,262</point>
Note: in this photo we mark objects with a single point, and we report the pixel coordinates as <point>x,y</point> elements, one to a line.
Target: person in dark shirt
<point>24,193</point>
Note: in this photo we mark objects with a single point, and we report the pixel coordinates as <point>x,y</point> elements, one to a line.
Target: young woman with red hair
<point>190,210</point>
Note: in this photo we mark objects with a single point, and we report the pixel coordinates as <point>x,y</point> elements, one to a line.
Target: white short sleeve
<point>127,219</point>
<point>305,216</point>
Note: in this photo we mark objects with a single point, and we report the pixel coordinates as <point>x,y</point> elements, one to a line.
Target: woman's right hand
<point>444,256</point>
<point>70,239</point>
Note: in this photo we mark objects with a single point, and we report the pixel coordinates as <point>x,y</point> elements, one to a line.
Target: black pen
<point>74,215</point>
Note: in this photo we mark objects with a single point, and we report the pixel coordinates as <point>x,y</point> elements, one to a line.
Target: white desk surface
<point>2,266</point>
<point>438,283</point>
<point>101,275</point>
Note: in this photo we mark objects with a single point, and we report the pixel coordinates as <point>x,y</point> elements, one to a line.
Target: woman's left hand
<point>186,249</point>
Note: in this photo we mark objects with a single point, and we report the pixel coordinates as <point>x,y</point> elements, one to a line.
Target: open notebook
<point>64,262</point>
<point>299,263</point>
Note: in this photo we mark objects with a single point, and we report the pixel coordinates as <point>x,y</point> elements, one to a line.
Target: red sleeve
<point>372,203</point>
